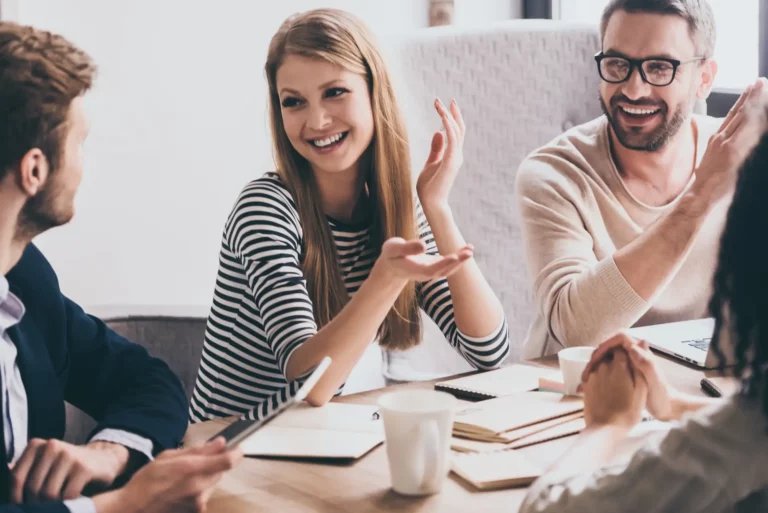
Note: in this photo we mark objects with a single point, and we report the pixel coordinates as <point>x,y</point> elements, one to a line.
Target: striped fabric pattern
<point>261,310</point>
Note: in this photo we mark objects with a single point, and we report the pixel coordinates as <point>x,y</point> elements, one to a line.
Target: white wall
<point>9,9</point>
<point>178,127</point>
<point>473,12</point>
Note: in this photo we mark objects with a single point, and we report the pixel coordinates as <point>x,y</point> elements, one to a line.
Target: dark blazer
<point>65,354</point>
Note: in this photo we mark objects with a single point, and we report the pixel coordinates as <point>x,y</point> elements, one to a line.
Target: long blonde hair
<point>342,39</point>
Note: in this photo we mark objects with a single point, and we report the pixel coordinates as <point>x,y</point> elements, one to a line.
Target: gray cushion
<point>176,341</point>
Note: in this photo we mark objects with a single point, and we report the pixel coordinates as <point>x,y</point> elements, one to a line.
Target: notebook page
<point>494,470</point>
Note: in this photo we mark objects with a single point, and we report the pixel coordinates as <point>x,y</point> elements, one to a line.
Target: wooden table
<point>260,484</point>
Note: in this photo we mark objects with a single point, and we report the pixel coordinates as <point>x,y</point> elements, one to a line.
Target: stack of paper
<point>486,434</point>
<point>566,428</point>
<point>511,418</point>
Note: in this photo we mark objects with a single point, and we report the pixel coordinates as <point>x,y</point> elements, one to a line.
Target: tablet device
<point>269,409</point>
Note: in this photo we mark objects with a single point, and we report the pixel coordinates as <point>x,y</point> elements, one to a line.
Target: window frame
<point>720,100</point>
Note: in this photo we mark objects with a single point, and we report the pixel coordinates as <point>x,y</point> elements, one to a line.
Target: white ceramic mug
<point>573,361</point>
<point>417,428</point>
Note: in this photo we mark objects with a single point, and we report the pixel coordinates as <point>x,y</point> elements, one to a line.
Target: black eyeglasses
<point>657,71</point>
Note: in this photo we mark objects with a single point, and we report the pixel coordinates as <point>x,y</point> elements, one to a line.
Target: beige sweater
<point>576,212</point>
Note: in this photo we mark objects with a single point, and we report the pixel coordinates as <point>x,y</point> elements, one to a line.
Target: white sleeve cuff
<point>130,440</point>
<point>81,505</point>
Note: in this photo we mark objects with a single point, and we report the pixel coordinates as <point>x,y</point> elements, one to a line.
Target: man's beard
<point>42,212</point>
<point>635,140</point>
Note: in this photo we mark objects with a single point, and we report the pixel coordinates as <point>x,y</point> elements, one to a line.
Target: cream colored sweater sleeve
<point>581,300</point>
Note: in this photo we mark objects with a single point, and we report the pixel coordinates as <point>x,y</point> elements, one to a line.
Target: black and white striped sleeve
<point>265,235</point>
<point>484,353</point>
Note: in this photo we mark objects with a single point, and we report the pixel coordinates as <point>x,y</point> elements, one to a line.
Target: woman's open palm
<point>408,260</point>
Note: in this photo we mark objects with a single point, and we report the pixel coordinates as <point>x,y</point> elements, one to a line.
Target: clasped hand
<point>621,380</point>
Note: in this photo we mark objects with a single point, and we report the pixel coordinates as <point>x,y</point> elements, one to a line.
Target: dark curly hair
<point>740,300</point>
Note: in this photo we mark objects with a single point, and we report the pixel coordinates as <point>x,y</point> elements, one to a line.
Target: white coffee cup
<point>417,428</point>
<point>573,361</point>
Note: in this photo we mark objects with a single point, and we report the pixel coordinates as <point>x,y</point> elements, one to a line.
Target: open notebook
<point>335,431</point>
<point>495,470</point>
<point>496,383</point>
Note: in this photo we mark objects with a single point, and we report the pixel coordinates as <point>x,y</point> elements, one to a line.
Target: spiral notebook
<point>508,380</point>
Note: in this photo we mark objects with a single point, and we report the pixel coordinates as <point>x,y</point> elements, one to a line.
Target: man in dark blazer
<point>50,350</point>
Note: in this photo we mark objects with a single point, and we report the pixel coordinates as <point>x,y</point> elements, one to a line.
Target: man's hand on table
<point>53,470</point>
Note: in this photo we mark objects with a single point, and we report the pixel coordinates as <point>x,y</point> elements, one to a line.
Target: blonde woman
<point>333,251</point>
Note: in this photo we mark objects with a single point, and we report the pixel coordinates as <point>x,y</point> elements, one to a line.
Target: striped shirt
<point>262,311</point>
